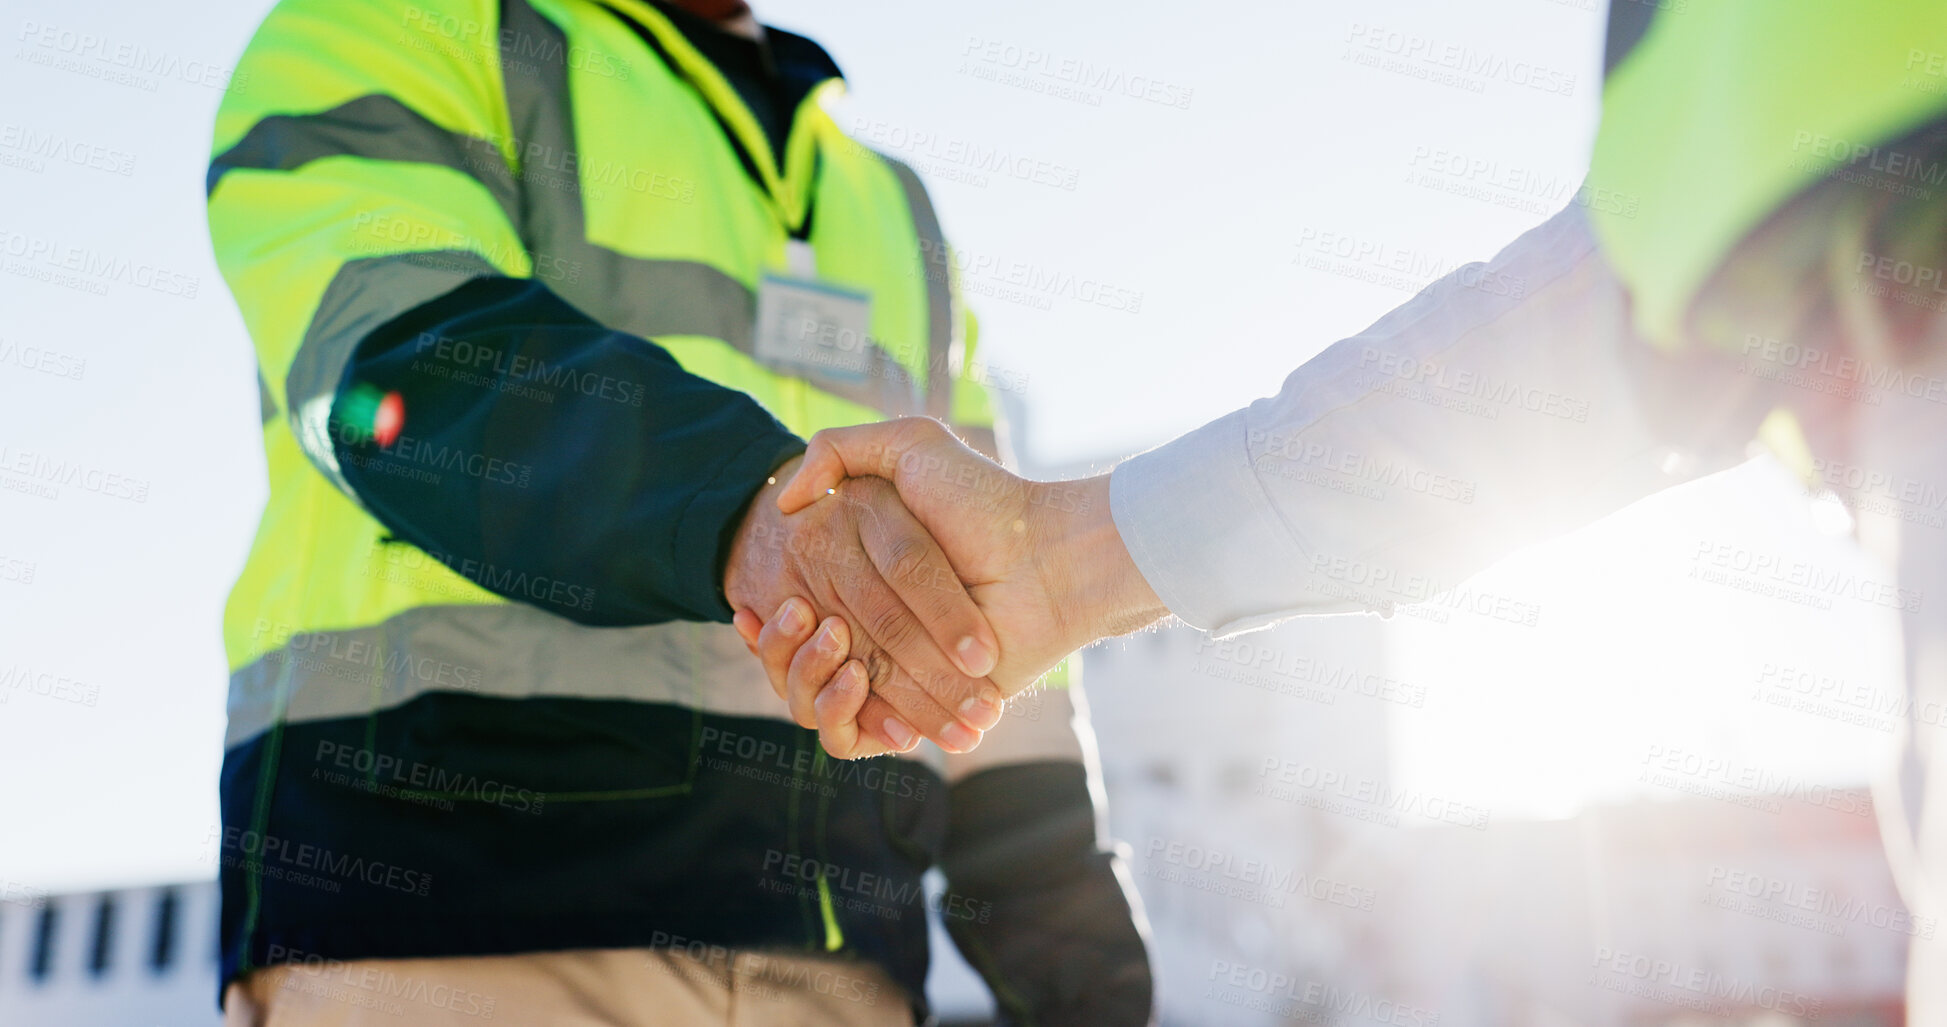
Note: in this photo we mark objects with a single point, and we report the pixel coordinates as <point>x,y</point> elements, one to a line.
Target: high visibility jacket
<point>1718,113</point>
<point>482,696</point>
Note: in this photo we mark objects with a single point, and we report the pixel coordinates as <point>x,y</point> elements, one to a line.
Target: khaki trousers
<point>580,988</point>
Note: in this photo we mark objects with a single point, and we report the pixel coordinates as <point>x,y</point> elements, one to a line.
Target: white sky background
<point>1200,210</point>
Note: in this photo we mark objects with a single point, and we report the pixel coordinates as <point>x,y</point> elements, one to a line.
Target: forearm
<point>540,446</point>
<point>1494,410</point>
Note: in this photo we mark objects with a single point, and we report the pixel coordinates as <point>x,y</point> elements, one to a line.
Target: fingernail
<point>982,711</point>
<point>975,659</point>
<point>827,640</point>
<point>853,674</point>
<point>795,617</point>
<point>898,733</point>
<point>958,737</point>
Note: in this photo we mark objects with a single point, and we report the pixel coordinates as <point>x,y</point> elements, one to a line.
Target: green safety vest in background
<point>1724,110</point>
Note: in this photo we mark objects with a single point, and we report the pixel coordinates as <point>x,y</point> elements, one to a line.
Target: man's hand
<point>1042,560</point>
<point>893,603</point>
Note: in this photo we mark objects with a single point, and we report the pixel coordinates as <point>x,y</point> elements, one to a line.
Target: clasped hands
<point>896,584</point>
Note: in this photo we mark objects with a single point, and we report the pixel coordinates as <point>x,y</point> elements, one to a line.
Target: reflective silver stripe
<point>365,294</point>
<point>649,298</point>
<point>375,127</point>
<point>502,650</point>
<point>640,296</point>
<point>943,341</point>
<point>534,68</point>
<point>671,297</point>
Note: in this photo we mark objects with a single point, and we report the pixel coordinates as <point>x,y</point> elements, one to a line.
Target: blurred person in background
<point>1760,249</point>
<point>545,295</point>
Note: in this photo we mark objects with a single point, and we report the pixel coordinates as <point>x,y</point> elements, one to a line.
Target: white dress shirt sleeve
<point>1489,412</point>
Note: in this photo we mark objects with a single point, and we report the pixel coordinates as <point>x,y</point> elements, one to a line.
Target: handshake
<point>898,584</point>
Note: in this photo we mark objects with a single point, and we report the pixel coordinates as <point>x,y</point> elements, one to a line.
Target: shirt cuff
<point>1202,531</point>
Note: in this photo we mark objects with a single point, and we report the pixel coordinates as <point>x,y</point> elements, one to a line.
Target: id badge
<point>808,325</point>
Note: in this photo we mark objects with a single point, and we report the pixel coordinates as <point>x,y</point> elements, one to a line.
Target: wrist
<point>1093,580</point>
<point>759,529</point>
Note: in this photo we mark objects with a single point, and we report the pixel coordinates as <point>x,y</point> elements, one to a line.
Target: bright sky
<point>1266,135</point>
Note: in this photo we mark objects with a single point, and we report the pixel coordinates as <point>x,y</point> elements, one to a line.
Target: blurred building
<point>1659,912</point>
<point>130,956</point>
<point>1249,780</point>
<point>1277,895</point>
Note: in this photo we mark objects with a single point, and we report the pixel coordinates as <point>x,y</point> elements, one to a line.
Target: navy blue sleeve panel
<point>553,461</point>
<point>1035,903</point>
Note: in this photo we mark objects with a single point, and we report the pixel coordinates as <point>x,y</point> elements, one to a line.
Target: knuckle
<point>879,671</point>
<point>776,651</point>
<point>891,628</point>
<point>908,562</point>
